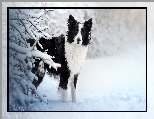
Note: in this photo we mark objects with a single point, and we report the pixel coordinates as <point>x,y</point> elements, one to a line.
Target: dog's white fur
<point>75,55</point>
<point>73,91</point>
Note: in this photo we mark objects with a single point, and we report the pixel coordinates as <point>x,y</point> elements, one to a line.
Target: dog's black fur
<point>56,47</point>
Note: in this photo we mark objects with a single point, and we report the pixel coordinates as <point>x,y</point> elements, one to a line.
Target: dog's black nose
<point>78,40</point>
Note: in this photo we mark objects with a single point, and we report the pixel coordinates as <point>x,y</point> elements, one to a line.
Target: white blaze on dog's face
<point>78,37</point>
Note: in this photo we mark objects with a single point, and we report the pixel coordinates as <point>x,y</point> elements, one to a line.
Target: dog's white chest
<point>75,55</point>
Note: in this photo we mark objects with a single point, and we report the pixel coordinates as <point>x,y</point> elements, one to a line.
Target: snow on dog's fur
<point>69,51</point>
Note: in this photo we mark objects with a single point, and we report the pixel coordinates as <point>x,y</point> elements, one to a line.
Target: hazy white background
<point>115,52</point>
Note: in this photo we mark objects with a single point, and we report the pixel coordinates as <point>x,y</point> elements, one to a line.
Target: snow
<point>115,83</point>
<point>46,58</point>
<point>18,48</point>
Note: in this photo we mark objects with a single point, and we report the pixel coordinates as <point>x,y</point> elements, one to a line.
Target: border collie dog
<point>70,51</point>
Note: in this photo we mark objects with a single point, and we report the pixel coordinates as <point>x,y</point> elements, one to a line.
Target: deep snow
<point>116,83</point>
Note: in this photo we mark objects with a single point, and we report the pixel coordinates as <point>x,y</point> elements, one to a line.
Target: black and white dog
<point>70,51</point>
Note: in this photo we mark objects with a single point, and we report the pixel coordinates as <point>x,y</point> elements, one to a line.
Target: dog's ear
<point>71,19</point>
<point>88,24</point>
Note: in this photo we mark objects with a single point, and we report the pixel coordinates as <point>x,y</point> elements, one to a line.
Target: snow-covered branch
<point>35,53</point>
<point>16,47</point>
<point>46,58</point>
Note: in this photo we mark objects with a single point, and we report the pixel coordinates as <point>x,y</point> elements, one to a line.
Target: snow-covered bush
<point>25,24</point>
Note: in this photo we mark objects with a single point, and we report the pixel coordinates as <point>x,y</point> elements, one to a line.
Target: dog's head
<point>79,33</point>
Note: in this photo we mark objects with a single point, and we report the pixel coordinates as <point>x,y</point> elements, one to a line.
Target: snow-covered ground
<point>116,83</point>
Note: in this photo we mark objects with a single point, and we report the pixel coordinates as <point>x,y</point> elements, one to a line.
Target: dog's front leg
<point>63,86</point>
<point>73,91</point>
<point>64,95</point>
<point>73,88</point>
